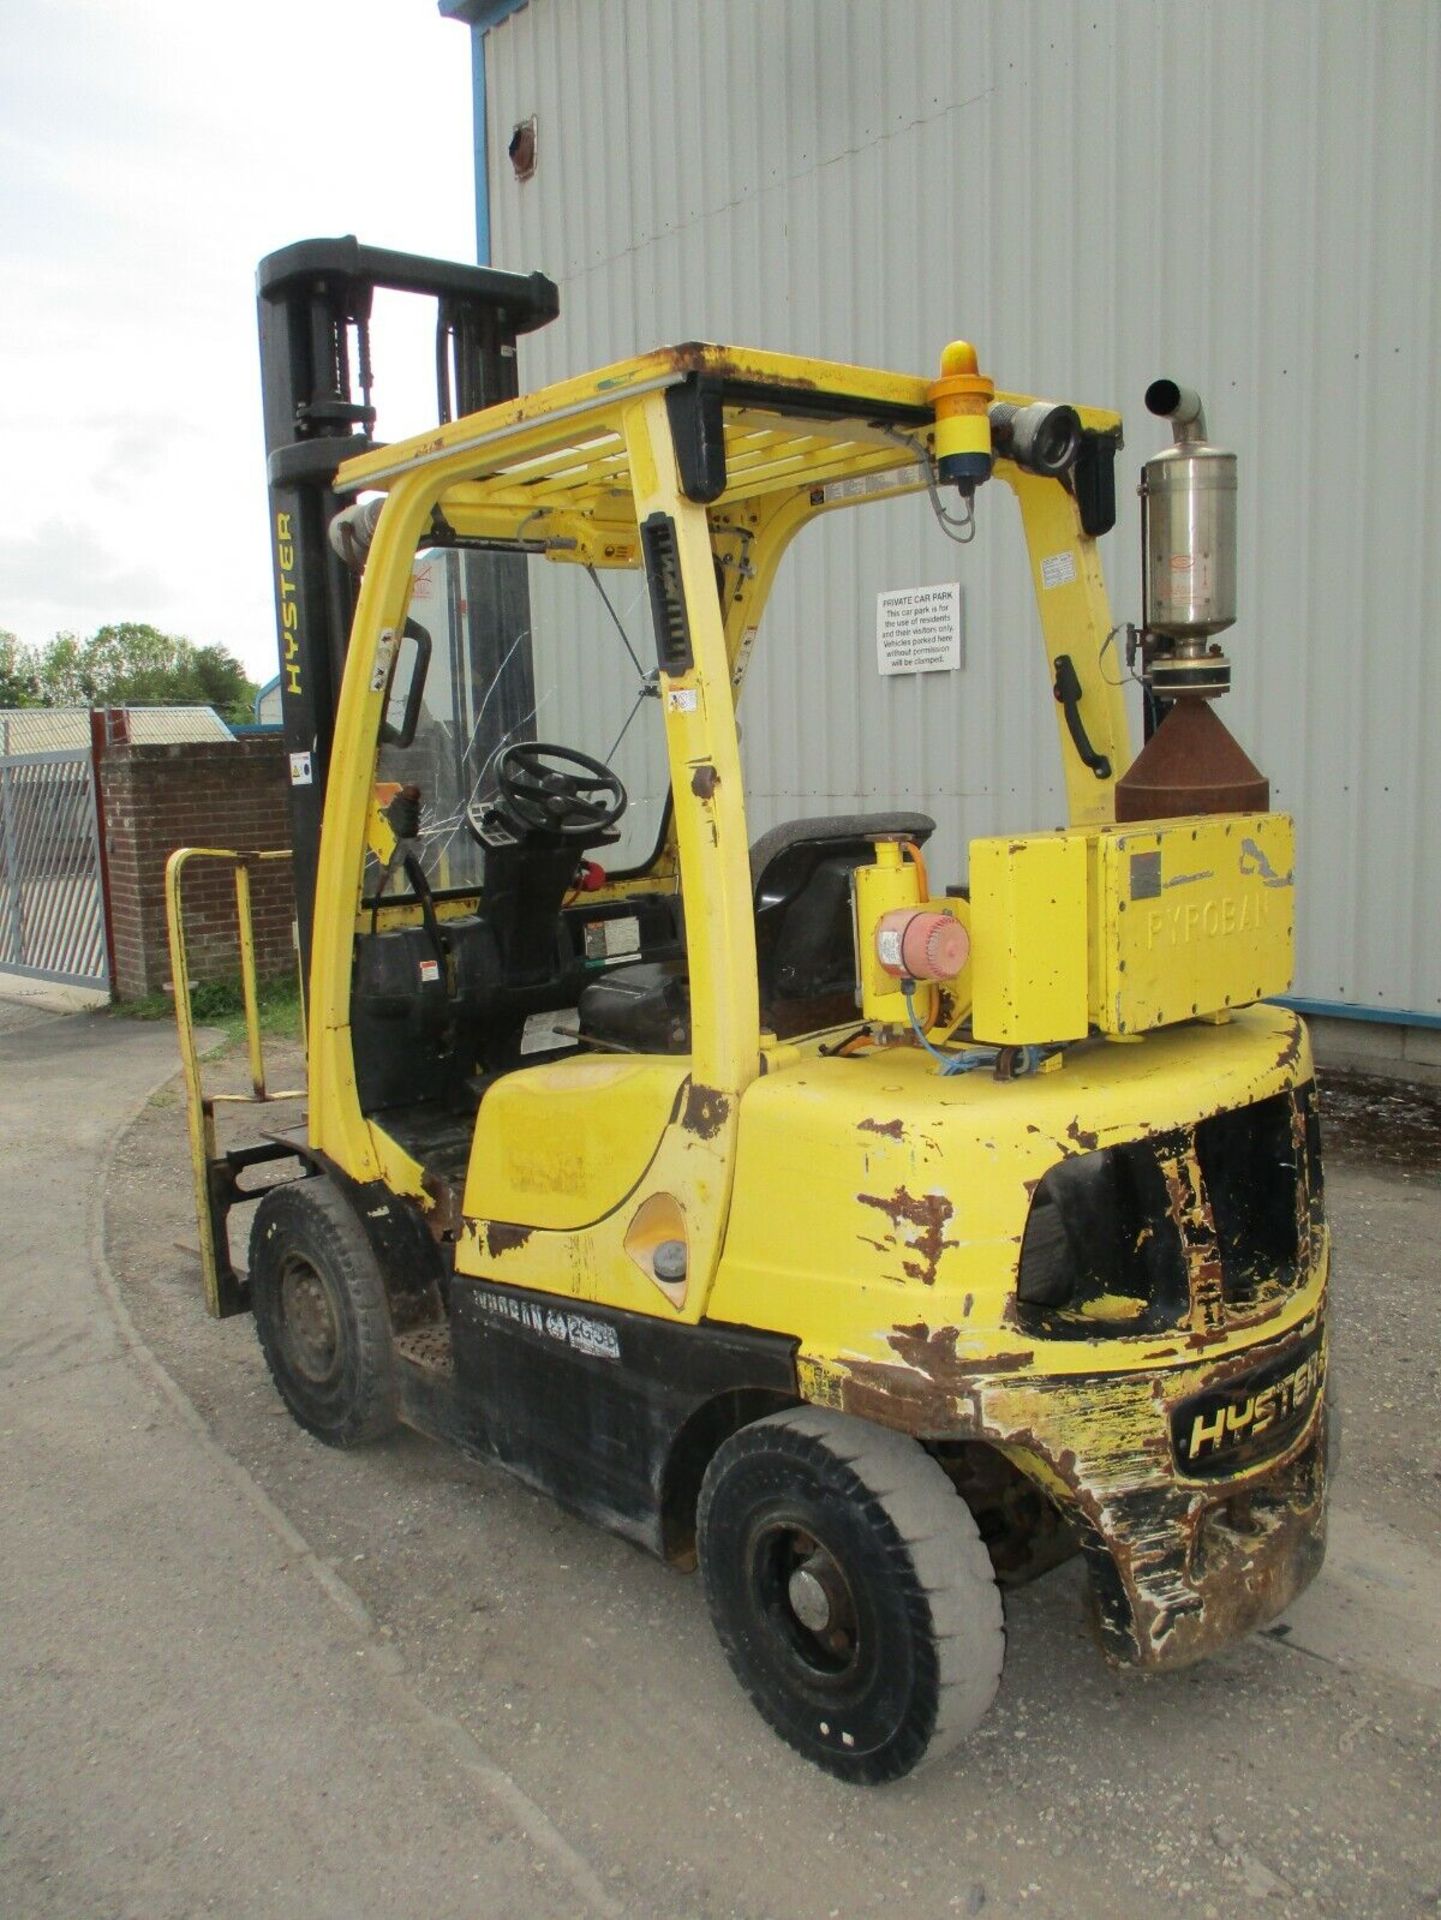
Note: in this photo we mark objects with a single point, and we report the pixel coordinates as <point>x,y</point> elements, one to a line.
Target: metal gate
<point>52,898</point>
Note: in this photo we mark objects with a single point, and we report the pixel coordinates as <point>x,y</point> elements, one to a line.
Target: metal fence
<point>52,902</point>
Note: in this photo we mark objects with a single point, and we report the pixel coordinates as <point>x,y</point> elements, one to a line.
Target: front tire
<point>850,1590</point>
<point>322,1315</point>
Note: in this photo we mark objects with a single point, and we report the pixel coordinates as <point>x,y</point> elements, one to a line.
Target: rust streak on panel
<point>934,1354</point>
<point>501,1237</point>
<point>931,1213</point>
<point>1190,1211</point>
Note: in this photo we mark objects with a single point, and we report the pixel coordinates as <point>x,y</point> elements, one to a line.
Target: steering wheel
<point>579,798</point>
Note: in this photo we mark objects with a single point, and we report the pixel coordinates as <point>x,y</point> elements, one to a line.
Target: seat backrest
<point>833,828</point>
<point>801,881</point>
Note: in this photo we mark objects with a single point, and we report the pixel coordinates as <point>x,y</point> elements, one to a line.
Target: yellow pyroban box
<point>1129,928</point>
<point>1193,916</point>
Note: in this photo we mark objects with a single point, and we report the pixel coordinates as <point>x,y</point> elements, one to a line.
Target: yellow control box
<point>1028,939</point>
<point>1123,929</point>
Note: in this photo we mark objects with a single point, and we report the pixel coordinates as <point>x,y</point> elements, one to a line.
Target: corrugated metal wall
<point>1243,197</point>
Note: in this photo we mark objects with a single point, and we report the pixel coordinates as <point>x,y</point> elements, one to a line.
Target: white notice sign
<point>918,629</point>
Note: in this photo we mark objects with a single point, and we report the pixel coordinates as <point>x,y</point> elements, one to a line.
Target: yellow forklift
<point>870,1242</point>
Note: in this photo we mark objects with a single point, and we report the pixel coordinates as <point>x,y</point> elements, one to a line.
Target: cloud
<point>59,574</point>
<point>139,447</point>
<point>152,154</point>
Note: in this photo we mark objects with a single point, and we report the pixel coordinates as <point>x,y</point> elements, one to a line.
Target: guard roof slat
<point>591,401</point>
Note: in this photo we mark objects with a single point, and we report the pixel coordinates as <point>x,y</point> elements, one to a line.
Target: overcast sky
<point>153,151</point>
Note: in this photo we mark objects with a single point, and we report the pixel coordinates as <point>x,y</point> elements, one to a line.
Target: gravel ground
<point>1301,1768</point>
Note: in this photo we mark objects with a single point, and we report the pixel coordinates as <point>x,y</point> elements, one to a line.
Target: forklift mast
<point>315,373</point>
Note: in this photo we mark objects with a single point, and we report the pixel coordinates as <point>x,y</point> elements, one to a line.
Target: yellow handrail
<point>220,1293</point>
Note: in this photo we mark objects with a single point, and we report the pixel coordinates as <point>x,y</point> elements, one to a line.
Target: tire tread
<point>905,1494</point>
<point>316,1208</point>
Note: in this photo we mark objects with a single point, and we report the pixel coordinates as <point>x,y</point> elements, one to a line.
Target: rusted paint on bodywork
<point>934,1354</point>
<point>501,1237</point>
<point>1179,1567</point>
<point>1291,1050</point>
<point>1083,1409</point>
<point>1307,1191</point>
<point>1202,1577</point>
<point>930,1213</point>
<point>445,1217</point>
<point>705,1111</point>
<point>1190,1211</point>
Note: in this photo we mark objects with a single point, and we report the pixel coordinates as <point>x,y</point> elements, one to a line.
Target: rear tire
<point>322,1315</point>
<point>850,1590</point>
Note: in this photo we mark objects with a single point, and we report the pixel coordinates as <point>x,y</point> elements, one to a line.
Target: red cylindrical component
<point>921,946</point>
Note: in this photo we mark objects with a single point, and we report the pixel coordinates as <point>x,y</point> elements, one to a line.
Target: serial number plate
<point>1228,1428</point>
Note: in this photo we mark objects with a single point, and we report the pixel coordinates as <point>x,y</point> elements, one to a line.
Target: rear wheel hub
<point>309,1319</point>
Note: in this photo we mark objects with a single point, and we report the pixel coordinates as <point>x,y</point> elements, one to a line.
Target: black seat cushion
<point>642,1008</point>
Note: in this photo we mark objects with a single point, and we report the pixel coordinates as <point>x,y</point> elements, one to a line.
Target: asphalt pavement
<point>199,1718</point>
<point>242,1674</point>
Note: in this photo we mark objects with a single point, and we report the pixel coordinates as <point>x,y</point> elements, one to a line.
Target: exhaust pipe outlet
<point>1180,405</point>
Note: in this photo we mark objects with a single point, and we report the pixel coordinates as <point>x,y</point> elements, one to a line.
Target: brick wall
<point>203,794</point>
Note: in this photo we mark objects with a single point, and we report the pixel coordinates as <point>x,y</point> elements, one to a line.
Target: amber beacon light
<point>962,398</point>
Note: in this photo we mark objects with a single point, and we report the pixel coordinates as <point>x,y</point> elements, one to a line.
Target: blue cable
<point>949,1063</point>
<point>1029,1058</point>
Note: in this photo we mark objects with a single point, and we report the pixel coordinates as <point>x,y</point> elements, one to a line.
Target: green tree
<point>132,664</point>
<point>60,677</point>
<point>18,684</point>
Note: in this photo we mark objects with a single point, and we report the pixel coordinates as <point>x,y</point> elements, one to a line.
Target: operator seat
<point>805,945</point>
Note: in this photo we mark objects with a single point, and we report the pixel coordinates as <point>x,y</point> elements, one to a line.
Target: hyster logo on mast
<point>289,606</point>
